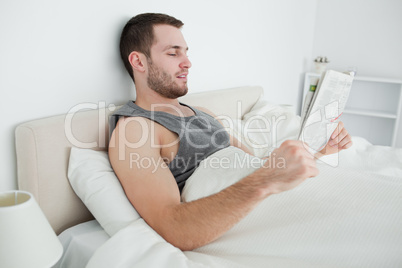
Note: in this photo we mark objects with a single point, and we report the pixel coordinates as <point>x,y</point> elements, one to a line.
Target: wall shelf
<point>373,109</point>
<point>370,113</point>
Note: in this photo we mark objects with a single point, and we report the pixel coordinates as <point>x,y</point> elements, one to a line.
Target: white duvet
<point>350,215</point>
<point>341,218</point>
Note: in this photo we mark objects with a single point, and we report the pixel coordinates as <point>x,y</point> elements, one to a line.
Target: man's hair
<point>138,35</point>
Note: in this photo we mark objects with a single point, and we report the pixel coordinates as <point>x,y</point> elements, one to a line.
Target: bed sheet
<point>348,216</point>
<point>79,244</point>
<point>341,218</point>
<point>366,157</point>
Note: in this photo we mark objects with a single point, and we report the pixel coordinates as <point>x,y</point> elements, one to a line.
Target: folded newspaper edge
<point>322,108</point>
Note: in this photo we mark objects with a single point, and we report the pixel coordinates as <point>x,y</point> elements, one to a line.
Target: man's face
<point>169,64</point>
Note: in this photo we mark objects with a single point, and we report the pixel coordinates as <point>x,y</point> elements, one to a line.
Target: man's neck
<point>152,101</point>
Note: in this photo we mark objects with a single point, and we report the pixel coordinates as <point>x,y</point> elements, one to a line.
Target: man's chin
<point>174,94</point>
<point>185,91</point>
<point>178,95</point>
<point>181,91</point>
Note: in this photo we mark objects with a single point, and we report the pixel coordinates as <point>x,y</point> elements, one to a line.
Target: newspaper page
<point>326,107</point>
<point>309,96</point>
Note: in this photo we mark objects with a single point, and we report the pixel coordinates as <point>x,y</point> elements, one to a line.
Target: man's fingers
<point>348,145</point>
<point>339,138</point>
<point>337,130</point>
<point>314,172</point>
<point>345,141</point>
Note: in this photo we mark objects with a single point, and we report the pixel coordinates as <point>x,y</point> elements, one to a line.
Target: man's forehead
<point>168,37</point>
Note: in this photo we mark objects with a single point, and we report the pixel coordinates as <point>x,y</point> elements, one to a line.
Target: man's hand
<point>340,139</point>
<point>287,167</point>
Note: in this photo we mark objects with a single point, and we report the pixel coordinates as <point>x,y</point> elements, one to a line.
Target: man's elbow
<point>178,233</point>
<point>184,242</point>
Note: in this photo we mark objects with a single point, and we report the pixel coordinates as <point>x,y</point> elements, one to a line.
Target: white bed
<point>348,216</point>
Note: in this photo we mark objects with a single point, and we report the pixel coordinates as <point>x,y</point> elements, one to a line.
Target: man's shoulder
<point>125,109</point>
<point>137,124</point>
<point>136,131</point>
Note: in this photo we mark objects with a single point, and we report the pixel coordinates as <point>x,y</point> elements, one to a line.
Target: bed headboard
<point>43,149</point>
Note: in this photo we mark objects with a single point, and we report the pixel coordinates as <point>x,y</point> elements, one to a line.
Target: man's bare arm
<point>154,193</point>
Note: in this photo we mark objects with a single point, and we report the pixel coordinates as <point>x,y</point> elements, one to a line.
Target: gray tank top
<point>200,136</point>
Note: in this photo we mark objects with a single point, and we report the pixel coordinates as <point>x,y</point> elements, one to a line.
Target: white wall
<point>56,54</point>
<point>362,33</point>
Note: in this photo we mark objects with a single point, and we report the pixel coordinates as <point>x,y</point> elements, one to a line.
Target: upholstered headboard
<point>43,149</point>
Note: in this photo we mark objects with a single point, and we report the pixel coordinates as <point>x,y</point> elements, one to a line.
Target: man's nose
<point>186,63</point>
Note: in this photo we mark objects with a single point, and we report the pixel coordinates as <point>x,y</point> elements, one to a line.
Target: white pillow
<point>265,127</point>
<point>94,181</point>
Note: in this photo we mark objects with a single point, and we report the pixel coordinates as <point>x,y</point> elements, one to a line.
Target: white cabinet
<point>373,108</point>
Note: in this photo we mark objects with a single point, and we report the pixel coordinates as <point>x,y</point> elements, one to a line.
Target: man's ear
<point>136,60</point>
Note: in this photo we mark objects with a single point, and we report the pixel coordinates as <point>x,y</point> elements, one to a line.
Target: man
<point>154,52</point>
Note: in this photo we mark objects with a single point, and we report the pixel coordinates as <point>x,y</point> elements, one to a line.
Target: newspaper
<point>323,106</point>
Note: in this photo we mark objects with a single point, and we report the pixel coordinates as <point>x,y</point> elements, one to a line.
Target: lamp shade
<point>26,237</point>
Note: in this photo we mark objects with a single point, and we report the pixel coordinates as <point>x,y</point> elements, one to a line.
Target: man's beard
<point>162,83</point>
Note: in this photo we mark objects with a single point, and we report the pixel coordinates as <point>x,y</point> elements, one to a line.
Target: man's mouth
<point>182,76</point>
